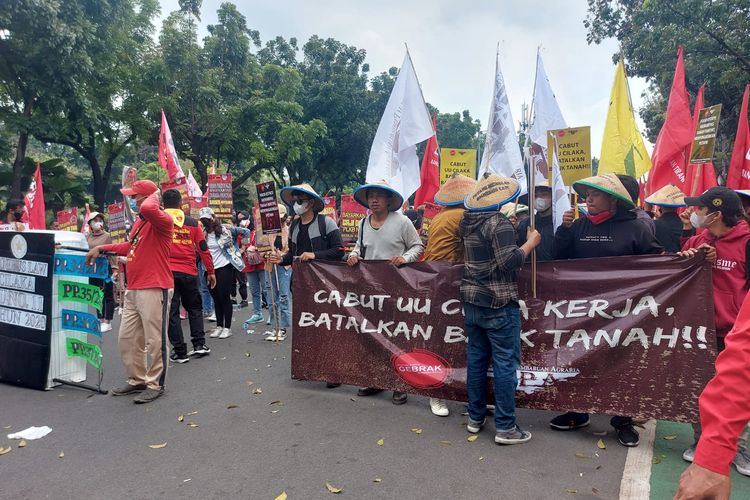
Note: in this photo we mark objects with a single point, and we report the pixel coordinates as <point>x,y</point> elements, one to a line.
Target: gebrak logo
<point>421,368</point>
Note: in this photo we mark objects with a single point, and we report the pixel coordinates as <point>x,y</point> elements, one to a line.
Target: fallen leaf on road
<point>570,490</point>
<point>274,411</point>
<point>181,418</point>
<point>157,446</point>
<point>61,455</point>
<point>381,442</point>
<point>333,489</point>
<point>222,359</point>
<point>249,383</point>
<point>471,439</point>
<point>3,451</point>
<point>377,480</point>
<point>657,460</point>
<point>598,467</point>
<point>583,455</point>
<point>446,442</point>
<point>193,413</point>
<point>602,433</point>
<point>22,444</point>
<point>275,403</point>
<point>231,407</point>
<point>417,430</point>
<point>192,424</point>
<point>352,399</point>
<point>282,496</point>
<point>258,391</point>
<point>247,354</point>
<point>670,437</point>
<point>186,480</point>
<point>600,444</point>
<point>481,458</point>
<point>7,426</point>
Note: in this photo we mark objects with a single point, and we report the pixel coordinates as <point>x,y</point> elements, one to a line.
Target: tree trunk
<point>202,170</point>
<point>100,186</point>
<point>23,142</point>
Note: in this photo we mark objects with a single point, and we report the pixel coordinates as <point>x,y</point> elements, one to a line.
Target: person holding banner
<point>444,242</point>
<point>95,237</point>
<point>384,235</point>
<point>542,222</point>
<point>226,258</point>
<point>279,280</point>
<point>610,228</point>
<point>143,329</point>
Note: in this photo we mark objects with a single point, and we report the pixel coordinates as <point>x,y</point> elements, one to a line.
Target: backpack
<point>321,229</point>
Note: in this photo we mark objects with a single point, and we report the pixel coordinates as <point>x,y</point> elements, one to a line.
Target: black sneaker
<point>179,358</point>
<point>368,391</point>
<point>331,385</point>
<point>200,350</point>
<point>399,398</point>
<point>127,389</point>
<point>627,435</point>
<point>243,304</point>
<point>148,395</point>
<point>569,421</point>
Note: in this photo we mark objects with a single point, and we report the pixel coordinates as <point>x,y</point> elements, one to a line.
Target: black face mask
<point>18,215</point>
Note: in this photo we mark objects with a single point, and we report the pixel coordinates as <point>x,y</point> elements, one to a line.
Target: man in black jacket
<point>542,222</point>
<point>668,224</point>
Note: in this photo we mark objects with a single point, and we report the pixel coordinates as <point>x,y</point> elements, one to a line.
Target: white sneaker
<point>211,317</point>
<point>439,407</point>
<point>105,327</point>
<point>225,333</point>
<point>215,332</point>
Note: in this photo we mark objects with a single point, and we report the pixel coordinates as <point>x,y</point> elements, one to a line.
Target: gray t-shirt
<point>396,237</point>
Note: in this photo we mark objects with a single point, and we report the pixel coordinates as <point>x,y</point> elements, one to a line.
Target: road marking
<point>636,476</point>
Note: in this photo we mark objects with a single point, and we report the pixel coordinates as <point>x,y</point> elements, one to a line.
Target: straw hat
<point>492,192</point>
<point>607,183</point>
<point>454,191</point>
<point>288,192</point>
<point>511,209</point>
<point>668,196</point>
<point>360,194</point>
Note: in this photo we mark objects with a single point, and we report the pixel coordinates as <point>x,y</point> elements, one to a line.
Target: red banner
<point>117,220</point>
<point>180,185</point>
<point>351,213</point>
<point>615,336</point>
<point>220,195</point>
<point>67,220</point>
<point>329,208</point>
<point>196,203</point>
<point>430,211</point>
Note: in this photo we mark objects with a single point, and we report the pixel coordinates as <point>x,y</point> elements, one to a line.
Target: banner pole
<point>532,216</point>
<point>697,178</point>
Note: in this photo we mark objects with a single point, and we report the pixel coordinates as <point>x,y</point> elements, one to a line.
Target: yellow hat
<point>492,192</point>
<point>607,183</point>
<point>668,196</point>
<point>454,191</point>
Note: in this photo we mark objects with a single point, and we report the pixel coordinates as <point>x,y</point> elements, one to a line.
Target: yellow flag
<point>623,151</point>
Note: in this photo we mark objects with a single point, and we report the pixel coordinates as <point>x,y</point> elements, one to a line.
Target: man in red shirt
<point>143,329</point>
<point>187,239</point>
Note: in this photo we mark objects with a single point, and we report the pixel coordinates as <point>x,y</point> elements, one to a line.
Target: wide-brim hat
<point>492,192</point>
<point>743,192</point>
<point>454,191</point>
<point>607,183</point>
<point>94,215</point>
<point>360,194</point>
<point>513,208</point>
<point>668,196</point>
<point>288,192</point>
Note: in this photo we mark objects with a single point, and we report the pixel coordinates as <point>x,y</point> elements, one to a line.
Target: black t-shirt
<point>303,238</point>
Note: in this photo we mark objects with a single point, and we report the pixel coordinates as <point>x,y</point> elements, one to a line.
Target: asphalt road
<point>291,437</point>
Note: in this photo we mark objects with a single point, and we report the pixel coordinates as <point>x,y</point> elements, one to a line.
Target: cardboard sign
<point>461,161</point>
<point>179,185</point>
<point>329,208</point>
<point>117,221</point>
<point>268,204</point>
<point>67,220</point>
<point>351,213</point>
<point>573,149</point>
<point>704,142</point>
<point>220,196</point>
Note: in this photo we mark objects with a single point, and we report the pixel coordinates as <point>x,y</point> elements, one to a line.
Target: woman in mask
<point>95,237</point>
<point>226,257</point>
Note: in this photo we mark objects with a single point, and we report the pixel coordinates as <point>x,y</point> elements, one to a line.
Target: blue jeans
<point>281,296</point>
<point>208,301</point>
<point>494,335</point>
<point>256,280</point>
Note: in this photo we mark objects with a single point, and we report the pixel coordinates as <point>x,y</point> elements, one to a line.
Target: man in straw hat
<point>542,222</point>
<point>719,219</point>
<point>492,316</point>
<point>444,242</point>
<point>515,213</point>
<point>610,228</point>
<point>668,224</point>
<point>385,235</point>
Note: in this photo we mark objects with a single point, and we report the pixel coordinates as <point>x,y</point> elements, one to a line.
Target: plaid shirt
<point>492,260</point>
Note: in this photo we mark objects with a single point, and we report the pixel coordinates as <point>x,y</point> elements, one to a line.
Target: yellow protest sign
<point>573,149</point>
<point>462,161</point>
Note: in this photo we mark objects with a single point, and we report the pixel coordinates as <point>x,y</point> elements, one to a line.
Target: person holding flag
<point>542,222</point>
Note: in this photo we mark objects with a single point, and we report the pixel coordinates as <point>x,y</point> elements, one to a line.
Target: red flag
<point>167,153</point>
<point>34,201</point>
<point>670,159</point>
<point>697,184</point>
<point>429,176</point>
<point>738,176</point>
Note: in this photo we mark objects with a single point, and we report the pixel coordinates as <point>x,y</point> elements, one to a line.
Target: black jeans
<point>186,291</point>
<point>241,282</point>
<point>221,294</point>
<point>108,306</point>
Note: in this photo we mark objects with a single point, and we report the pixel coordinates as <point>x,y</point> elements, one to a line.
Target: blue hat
<point>360,194</point>
<point>288,192</point>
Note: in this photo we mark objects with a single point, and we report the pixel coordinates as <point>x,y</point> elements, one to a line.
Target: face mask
<point>698,221</point>
<point>18,215</point>
<point>300,207</point>
<point>244,223</point>
<point>97,226</point>
<point>542,204</point>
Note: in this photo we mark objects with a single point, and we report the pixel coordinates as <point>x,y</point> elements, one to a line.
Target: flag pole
<point>417,79</point>
<point>532,185</point>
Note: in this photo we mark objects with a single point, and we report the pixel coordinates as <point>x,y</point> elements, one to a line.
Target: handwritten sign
<point>79,349</point>
<point>80,321</point>
<point>83,293</point>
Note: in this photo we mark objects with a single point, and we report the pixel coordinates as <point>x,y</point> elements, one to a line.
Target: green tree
<point>715,36</point>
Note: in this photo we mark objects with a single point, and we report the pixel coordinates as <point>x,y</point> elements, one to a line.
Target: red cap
<point>144,188</point>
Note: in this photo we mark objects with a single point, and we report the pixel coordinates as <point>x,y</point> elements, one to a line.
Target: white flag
<point>194,189</point>
<point>502,153</point>
<point>405,123</point>
<point>546,116</point>
<point>560,194</point>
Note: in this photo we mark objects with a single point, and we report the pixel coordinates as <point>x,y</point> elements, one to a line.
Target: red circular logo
<point>422,369</point>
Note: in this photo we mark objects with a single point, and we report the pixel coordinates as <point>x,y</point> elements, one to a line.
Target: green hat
<point>607,183</point>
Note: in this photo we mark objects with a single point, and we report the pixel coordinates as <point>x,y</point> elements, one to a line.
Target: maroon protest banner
<point>351,213</point>
<point>196,203</point>
<point>329,208</point>
<point>181,186</point>
<point>67,220</point>
<point>616,336</point>
<point>117,220</point>
<point>220,195</point>
<point>262,243</point>
<point>430,211</point>
<point>268,207</point>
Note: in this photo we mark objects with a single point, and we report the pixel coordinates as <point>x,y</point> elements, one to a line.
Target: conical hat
<point>454,191</point>
<point>491,192</point>
<point>287,192</point>
<point>668,196</point>
<point>510,209</point>
<point>607,183</point>
<point>743,192</point>
<point>360,194</point>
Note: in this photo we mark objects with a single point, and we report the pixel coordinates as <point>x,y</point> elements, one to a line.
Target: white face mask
<point>300,207</point>
<point>542,204</point>
<point>97,226</point>
<point>698,221</point>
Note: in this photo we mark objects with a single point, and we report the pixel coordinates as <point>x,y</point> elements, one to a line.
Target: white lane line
<point>636,476</point>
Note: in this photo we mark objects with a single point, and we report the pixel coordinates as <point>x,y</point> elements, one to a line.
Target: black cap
<point>717,199</point>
